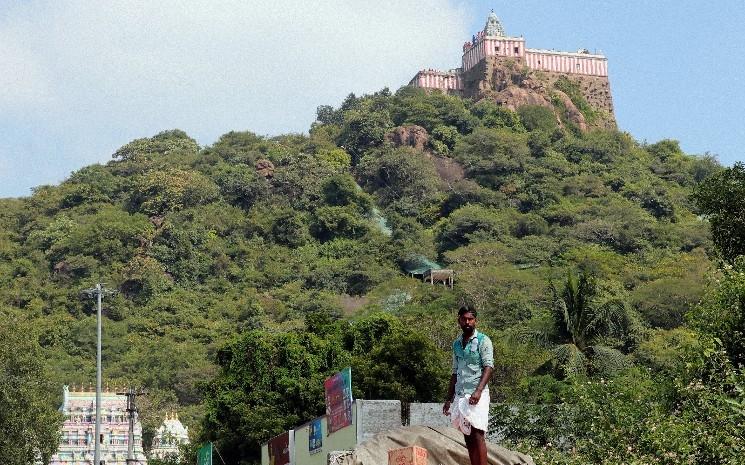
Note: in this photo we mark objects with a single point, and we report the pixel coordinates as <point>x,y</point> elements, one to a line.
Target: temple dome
<point>168,437</point>
<point>493,26</point>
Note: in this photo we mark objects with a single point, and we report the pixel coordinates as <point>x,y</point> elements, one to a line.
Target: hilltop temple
<point>168,438</point>
<point>76,442</point>
<point>497,65</point>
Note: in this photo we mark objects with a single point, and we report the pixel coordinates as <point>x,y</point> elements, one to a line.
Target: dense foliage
<point>251,269</point>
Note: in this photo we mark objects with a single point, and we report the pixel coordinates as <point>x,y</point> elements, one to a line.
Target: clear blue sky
<point>81,78</point>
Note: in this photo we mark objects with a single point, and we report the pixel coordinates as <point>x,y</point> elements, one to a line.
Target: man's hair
<point>467,309</point>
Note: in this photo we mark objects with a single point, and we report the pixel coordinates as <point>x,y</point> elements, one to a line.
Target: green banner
<point>204,454</point>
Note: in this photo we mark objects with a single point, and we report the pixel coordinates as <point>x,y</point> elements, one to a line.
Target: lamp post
<point>98,292</point>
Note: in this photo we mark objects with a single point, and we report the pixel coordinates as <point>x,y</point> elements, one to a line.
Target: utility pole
<point>132,412</point>
<point>98,292</point>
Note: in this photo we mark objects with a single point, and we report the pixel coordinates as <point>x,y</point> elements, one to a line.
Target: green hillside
<point>251,269</point>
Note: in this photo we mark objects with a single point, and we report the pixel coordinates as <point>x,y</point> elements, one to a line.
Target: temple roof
<point>493,26</point>
<point>171,426</point>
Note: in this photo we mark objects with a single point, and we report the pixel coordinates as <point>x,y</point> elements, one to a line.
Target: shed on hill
<point>419,266</point>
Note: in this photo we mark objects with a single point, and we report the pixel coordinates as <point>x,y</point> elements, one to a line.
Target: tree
<point>490,155</point>
<point>268,383</point>
<point>28,420</point>
<point>159,192</point>
<point>341,190</point>
<point>721,198</point>
<point>240,185</point>
<point>363,130</point>
<point>536,117</point>
<point>402,179</point>
<point>468,224</point>
<point>721,314</point>
<point>581,325</point>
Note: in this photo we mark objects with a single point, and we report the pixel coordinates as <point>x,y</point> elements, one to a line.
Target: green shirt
<point>469,362</point>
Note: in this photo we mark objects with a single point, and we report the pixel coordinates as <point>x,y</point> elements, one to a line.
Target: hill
<point>253,251</point>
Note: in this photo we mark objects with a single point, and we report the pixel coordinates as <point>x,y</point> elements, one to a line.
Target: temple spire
<point>493,26</point>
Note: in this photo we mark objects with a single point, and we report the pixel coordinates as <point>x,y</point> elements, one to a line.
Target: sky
<point>79,79</point>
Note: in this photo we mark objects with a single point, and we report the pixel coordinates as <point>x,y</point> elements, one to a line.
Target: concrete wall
<point>344,439</point>
<point>376,416</point>
<point>369,417</point>
<point>429,414</point>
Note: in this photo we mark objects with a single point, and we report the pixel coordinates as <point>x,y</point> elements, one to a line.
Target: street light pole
<point>97,451</point>
<point>98,292</point>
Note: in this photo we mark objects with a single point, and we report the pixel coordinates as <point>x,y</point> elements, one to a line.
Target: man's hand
<point>475,397</point>
<point>446,408</point>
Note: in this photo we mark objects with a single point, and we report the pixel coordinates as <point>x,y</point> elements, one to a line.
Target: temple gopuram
<point>168,438</point>
<point>76,441</point>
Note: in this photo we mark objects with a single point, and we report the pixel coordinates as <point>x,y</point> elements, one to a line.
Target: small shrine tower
<point>168,438</point>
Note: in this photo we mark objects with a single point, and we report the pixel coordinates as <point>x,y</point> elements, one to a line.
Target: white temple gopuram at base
<point>76,442</point>
<point>168,438</point>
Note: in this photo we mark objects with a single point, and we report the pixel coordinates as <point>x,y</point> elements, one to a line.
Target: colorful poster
<point>204,454</point>
<point>339,400</point>
<point>279,449</point>
<point>315,436</point>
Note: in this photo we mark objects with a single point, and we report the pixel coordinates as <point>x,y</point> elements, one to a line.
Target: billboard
<point>339,400</point>
<point>315,436</point>
<point>279,449</point>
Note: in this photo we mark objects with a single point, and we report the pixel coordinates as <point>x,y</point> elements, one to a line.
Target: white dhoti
<point>463,415</point>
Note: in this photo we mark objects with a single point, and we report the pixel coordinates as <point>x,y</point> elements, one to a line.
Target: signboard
<point>279,449</point>
<point>315,436</point>
<point>204,454</point>
<point>339,400</point>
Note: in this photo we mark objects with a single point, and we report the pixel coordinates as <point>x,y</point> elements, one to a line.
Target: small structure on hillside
<point>419,266</point>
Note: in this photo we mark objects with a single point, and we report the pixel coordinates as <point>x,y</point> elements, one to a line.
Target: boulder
<point>264,167</point>
<point>409,135</point>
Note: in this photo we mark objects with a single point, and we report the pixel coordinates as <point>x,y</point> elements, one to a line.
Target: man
<point>468,392</point>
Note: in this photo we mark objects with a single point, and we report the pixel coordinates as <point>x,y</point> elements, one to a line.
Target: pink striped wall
<point>564,62</point>
<point>512,47</point>
<point>430,79</point>
<point>492,46</point>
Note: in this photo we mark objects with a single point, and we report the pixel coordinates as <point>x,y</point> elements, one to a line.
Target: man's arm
<point>451,393</point>
<point>476,396</point>
<point>486,351</point>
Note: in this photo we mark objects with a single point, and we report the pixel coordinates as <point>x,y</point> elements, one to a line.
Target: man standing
<point>468,392</point>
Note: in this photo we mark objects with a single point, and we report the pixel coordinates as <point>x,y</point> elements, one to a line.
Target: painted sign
<point>315,436</point>
<point>204,454</point>
<point>279,449</point>
<point>339,400</point>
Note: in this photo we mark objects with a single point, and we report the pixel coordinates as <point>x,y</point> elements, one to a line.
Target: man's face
<point>467,322</point>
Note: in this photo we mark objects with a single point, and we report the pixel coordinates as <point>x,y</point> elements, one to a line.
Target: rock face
<point>410,136</point>
<point>265,168</point>
<point>513,85</point>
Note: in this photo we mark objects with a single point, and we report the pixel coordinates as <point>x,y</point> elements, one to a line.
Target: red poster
<point>339,400</point>
<point>279,449</point>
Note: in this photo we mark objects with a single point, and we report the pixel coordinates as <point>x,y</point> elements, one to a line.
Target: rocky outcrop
<point>265,167</point>
<point>515,97</point>
<point>571,112</point>
<point>513,85</point>
<point>409,136</point>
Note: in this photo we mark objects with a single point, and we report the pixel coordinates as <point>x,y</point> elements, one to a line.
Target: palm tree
<point>585,329</point>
